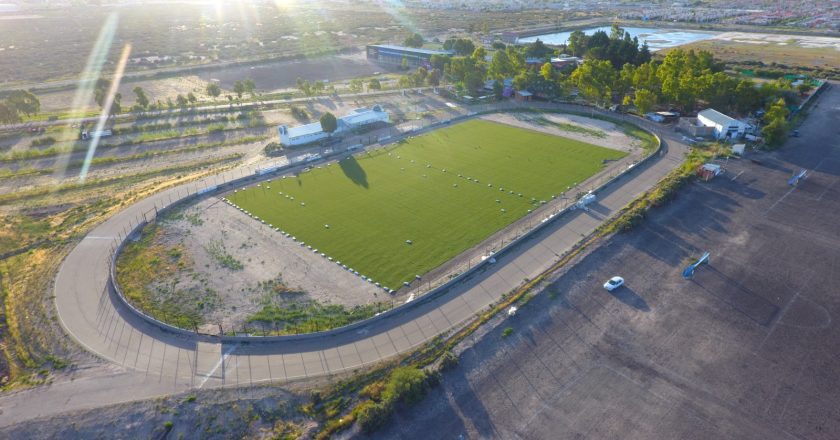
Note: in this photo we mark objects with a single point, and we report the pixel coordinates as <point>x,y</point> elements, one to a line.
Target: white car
<point>614,283</point>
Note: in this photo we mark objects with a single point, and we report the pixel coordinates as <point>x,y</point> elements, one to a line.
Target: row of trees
<point>19,102</point>
<point>357,85</point>
<point>617,47</point>
<point>616,69</point>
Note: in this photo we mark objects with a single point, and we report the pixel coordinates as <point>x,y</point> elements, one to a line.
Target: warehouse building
<point>394,55</point>
<point>722,126</point>
<point>308,133</point>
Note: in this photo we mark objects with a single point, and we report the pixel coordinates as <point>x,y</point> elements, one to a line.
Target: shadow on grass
<point>354,171</point>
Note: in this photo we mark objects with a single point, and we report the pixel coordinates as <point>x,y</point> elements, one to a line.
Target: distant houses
<point>308,133</point>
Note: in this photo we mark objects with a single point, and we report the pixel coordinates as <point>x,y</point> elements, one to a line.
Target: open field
<point>775,51</point>
<point>444,192</point>
<point>746,349</point>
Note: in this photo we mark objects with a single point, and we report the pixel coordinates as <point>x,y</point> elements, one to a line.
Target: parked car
<point>613,283</point>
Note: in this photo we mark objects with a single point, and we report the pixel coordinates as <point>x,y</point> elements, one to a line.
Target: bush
<point>407,384</point>
<point>299,113</point>
<point>49,140</point>
<point>507,332</point>
<point>273,149</point>
<point>371,416</point>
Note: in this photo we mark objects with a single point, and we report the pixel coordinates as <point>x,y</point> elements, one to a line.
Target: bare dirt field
<point>281,75</point>
<point>156,89</point>
<point>745,349</point>
<point>268,77</point>
<point>581,128</point>
<point>274,269</point>
<point>788,50</point>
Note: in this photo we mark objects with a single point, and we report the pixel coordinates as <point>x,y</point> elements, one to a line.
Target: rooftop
<point>304,130</point>
<point>412,49</point>
<point>361,115</point>
<point>716,117</point>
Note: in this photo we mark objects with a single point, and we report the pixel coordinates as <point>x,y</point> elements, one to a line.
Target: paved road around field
<point>149,362</point>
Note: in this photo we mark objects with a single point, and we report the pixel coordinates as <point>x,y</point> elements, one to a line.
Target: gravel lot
<point>746,349</point>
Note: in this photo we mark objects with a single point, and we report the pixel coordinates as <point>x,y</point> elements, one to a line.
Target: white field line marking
<point>218,364</point>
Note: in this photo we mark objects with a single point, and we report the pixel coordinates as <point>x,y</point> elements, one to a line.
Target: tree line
<point>615,69</point>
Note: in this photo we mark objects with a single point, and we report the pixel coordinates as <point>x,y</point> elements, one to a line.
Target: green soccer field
<point>444,191</point>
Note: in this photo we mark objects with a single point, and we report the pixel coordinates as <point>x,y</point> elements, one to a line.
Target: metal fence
<point>534,223</point>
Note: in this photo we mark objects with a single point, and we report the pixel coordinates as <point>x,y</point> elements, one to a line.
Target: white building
<point>304,134</point>
<point>723,126</point>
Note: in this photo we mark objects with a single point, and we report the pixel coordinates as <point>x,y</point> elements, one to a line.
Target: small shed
<point>524,95</point>
<point>739,149</point>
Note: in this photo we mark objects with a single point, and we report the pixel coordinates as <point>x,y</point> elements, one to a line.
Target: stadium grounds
<point>397,212</point>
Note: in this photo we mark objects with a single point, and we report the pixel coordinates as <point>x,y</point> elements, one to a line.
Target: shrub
<point>299,113</point>
<point>273,149</point>
<point>49,140</point>
<point>371,416</point>
<point>407,384</point>
<point>507,332</point>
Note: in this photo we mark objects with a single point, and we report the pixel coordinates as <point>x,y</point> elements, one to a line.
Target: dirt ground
<point>745,349</point>
<point>281,75</point>
<point>612,137</point>
<point>274,268</point>
<point>156,89</point>
<point>268,78</point>
<point>203,414</point>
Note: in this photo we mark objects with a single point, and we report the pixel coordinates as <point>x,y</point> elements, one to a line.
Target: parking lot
<point>747,348</point>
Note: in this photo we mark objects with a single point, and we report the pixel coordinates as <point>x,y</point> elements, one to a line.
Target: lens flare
<point>106,111</point>
<point>91,72</point>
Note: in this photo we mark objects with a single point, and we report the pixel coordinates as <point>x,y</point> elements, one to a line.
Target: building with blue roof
<point>394,55</point>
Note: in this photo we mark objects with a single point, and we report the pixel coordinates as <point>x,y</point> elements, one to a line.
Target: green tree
<point>374,84</point>
<point>213,90</point>
<point>100,91</point>
<point>8,114</point>
<point>24,102</point>
<point>747,96</point>
<point>191,98</point>
<point>142,99</point>
<point>406,384</point>
<point>250,87</point>
<point>594,80</point>
<point>498,89</point>
<point>404,64</point>
<point>547,71</point>
<point>434,77</point>
<point>775,123</point>
<point>304,87</point>
<point>461,46</point>
<point>328,123</point>
<point>479,53</point>
<point>181,101</point>
<point>644,100</point>
<point>116,105</point>
<point>415,40</point>
<point>439,61</point>
<point>239,89</point>
<point>506,64</point>
<point>538,49</point>
<point>578,43</point>
<point>356,85</point>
